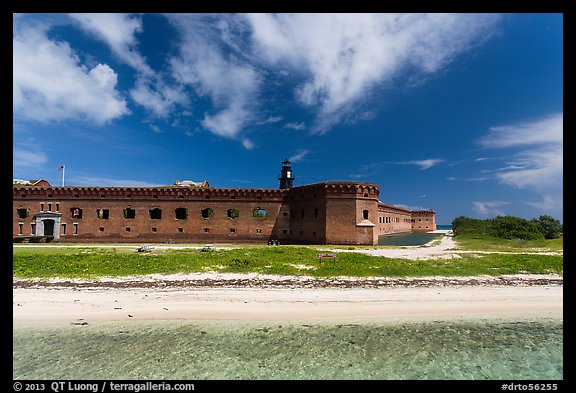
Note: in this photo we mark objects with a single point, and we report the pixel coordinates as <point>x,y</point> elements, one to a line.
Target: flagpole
<point>63,170</point>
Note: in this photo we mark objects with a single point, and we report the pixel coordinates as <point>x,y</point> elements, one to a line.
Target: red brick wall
<point>332,213</point>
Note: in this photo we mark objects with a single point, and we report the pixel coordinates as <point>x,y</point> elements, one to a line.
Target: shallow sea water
<point>231,350</point>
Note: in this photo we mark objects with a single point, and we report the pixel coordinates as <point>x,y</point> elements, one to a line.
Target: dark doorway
<point>48,227</point>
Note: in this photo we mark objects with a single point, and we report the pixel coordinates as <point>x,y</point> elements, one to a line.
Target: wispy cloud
<point>299,156</point>
<point>489,208</point>
<point>537,161</point>
<point>346,56</point>
<point>108,182</point>
<point>271,120</point>
<point>51,84</point>
<point>470,179</point>
<point>295,126</point>
<point>226,79</point>
<point>119,32</point>
<point>26,158</point>
<point>423,164</point>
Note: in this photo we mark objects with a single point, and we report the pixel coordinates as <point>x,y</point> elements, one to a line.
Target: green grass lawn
<point>86,262</point>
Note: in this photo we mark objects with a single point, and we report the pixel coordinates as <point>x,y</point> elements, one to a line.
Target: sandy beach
<point>246,297</point>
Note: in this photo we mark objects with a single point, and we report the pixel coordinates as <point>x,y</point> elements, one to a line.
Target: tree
<point>510,227</point>
<point>549,226</point>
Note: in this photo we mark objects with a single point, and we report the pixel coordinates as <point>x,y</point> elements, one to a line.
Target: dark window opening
<point>232,230</point>
<point>127,229</point>
<point>284,231</point>
<point>258,230</point>
<point>76,212</point>
<point>155,214</point>
<point>20,228</point>
<point>75,229</point>
<point>207,213</point>
<point>284,214</point>
<point>206,230</point>
<point>33,229</point>
<point>154,229</point>
<point>181,213</point>
<point>233,213</point>
<point>57,207</point>
<point>102,214</point>
<point>365,195</point>
<point>41,207</point>
<point>302,214</point>
<point>180,230</point>
<point>63,229</point>
<point>316,212</point>
<point>129,213</point>
<point>259,213</point>
<point>49,207</point>
<point>101,229</point>
<point>365,214</point>
<point>23,213</point>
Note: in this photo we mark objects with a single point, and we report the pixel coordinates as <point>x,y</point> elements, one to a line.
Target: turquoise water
<point>231,350</point>
<point>411,239</point>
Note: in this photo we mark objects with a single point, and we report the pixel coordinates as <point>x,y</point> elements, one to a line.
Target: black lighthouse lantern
<point>286,175</point>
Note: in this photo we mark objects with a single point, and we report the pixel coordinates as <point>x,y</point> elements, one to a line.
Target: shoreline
<point>284,298</point>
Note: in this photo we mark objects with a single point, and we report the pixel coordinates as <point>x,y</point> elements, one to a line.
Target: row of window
<point>388,220</point>
<point>180,213</point>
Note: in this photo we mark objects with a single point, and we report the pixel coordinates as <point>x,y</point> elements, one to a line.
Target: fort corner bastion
<point>338,212</point>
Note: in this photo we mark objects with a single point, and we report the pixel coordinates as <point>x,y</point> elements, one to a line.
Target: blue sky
<point>458,113</point>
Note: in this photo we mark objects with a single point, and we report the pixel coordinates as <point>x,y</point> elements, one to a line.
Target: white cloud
<point>248,145</point>
<point>26,158</point>
<point>546,131</point>
<point>50,83</point>
<point>295,126</point>
<point>489,208</point>
<point>231,84</point>
<point>271,120</point>
<point>424,164</point>
<point>345,57</point>
<point>119,32</point>
<point>299,156</point>
<point>537,161</point>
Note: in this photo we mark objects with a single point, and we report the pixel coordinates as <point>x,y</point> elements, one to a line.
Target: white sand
<point>71,305</point>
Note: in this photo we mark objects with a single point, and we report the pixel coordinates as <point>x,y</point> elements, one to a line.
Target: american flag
<point>61,168</point>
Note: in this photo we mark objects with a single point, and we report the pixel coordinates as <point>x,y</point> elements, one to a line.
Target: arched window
<point>129,213</point>
<point>76,212</point>
<point>259,213</point>
<point>181,213</point>
<point>156,214</point>
<point>233,213</point>
<point>207,213</point>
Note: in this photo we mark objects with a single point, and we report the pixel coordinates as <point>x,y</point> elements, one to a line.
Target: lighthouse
<point>286,175</point>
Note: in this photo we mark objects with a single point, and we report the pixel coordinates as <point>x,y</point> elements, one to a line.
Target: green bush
<point>508,227</point>
<point>549,226</point>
